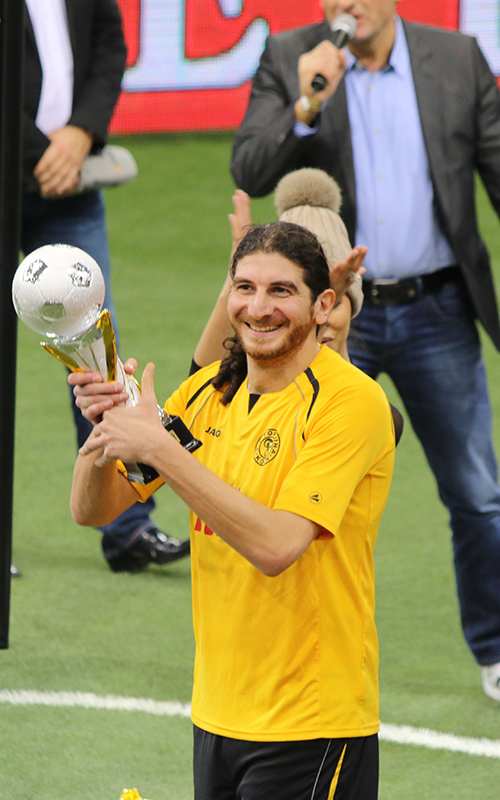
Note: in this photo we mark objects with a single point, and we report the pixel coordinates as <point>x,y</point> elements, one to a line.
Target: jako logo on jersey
<point>213,431</point>
<point>315,497</point>
<point>267,447</point>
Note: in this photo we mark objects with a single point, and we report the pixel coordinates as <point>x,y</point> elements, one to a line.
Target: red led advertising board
<point>190,62</point>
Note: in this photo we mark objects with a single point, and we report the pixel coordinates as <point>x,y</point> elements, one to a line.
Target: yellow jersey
<point>295,656</point>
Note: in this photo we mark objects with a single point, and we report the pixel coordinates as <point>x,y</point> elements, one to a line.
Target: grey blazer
<point>459,106</point>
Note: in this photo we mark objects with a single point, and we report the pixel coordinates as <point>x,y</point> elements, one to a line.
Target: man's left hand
<point>343,273</point>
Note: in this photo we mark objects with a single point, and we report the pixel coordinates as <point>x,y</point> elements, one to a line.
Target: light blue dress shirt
<point>394,194</point>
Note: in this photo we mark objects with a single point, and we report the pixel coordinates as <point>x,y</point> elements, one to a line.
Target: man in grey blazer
<point>75,57</point>
<point>408,114</point>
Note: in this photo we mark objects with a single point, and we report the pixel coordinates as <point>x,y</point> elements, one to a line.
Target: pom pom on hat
<point>311,198</point>
<point>307,187</point>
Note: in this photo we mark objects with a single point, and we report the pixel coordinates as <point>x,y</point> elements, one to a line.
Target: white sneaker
<point>491,681</point>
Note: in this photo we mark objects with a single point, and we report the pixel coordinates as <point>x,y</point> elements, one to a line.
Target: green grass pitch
<point>77,627</point>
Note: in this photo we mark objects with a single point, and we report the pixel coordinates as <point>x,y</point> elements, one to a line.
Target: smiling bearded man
<point>286,495</point>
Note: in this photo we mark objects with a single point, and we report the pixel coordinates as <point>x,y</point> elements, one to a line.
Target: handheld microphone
<point>343,28</point>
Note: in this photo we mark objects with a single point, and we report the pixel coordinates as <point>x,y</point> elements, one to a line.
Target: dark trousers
<point>316,769</point>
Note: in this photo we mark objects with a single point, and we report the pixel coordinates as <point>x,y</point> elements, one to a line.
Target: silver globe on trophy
<point>58,291</point>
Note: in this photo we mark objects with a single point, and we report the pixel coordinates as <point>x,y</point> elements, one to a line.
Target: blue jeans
<point>431,351</point>
<point>80,221</point>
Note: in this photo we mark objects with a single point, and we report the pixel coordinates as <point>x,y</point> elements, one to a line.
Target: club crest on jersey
<point>267,447</point>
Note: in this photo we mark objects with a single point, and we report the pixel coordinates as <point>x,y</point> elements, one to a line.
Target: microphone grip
<point>338,38</point>
<point>318,83</point>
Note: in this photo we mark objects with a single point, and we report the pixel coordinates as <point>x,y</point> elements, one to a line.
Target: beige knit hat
<point>311,198</point>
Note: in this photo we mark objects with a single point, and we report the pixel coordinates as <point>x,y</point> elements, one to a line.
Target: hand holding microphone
<point>322,68</point>
<point>343,28</point>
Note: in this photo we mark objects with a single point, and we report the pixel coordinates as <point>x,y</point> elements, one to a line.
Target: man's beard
<point>288,347</point>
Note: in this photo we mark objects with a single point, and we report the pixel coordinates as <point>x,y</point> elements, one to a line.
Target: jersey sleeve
<point>346,453</point>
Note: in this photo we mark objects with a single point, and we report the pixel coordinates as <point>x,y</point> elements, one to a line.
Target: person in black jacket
<point>75,56</point>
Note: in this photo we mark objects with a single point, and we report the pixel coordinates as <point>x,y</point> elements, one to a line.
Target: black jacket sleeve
<point>99,56</point>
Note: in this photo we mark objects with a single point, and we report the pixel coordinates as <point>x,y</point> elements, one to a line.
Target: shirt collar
<point>399,59</point>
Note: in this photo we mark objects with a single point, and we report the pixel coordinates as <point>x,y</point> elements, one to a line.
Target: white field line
<point>400,734</point>
<point>406,734</point>
<point>109,702</point>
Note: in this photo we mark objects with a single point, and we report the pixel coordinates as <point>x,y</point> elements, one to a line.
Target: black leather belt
<point>394,293</point>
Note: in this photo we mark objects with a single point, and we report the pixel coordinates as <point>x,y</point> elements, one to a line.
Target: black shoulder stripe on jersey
<point>315,384</point>
<point>197,394</point>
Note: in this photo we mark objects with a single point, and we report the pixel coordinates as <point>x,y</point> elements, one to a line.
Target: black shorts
<point>319,769</point>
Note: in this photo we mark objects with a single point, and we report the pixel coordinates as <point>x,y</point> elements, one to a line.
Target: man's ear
<point>323,306</point>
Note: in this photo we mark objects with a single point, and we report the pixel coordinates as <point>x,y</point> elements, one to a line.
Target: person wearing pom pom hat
<point>311,198</point>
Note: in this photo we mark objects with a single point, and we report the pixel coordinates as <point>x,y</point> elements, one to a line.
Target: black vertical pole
<point>11,101</point>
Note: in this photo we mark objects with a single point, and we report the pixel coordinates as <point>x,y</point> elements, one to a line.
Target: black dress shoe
<point>150,547</point>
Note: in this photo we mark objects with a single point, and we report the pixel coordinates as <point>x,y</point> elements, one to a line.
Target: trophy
<point>58,291</point>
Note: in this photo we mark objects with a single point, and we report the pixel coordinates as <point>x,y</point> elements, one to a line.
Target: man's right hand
<point>327,60</point>
<point>58,170</point>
